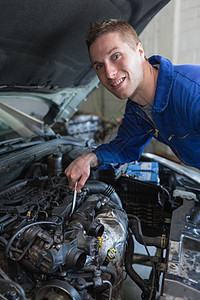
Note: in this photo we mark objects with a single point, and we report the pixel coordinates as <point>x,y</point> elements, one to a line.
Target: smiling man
<point>117,65</point>
<point>163,101</point>
<point>121,67</point>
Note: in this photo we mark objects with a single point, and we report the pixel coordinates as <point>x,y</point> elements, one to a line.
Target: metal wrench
<point>74,199</point>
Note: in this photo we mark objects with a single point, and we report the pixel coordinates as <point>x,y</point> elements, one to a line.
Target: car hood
<point>43,52</point>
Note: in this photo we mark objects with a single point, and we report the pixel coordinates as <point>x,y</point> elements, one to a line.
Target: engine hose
<point>157,241</point>
<point>94,186</point>
<point>105,286</point>
<point>111,272</point>
<point>105,283</point>
<point>128,265</point>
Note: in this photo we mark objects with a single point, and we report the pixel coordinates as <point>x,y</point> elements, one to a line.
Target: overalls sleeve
<point>129,143</point>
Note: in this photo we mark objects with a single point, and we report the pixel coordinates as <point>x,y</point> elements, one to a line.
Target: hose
<point>111,272</point>
<point>128,265</point>
<point>94,186</point>
<point>157,241</point>
<point>152,288</point>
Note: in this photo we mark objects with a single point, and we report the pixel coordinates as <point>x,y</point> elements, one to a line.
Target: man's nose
<point>110,71</point>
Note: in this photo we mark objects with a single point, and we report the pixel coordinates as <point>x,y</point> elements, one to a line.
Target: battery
<point>144,171</point>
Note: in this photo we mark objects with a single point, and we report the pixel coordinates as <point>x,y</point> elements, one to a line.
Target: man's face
<point>117,65</point>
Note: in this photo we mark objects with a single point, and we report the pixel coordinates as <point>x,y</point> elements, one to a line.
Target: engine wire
<point>110,288</point>
<point>23,229</point>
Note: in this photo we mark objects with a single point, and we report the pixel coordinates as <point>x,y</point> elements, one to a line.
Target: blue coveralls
<point>175,114</point>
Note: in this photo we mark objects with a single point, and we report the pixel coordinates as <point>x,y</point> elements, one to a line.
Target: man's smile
<point>118,82</point>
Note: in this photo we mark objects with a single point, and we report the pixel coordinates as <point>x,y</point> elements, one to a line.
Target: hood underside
<point>42,43</point>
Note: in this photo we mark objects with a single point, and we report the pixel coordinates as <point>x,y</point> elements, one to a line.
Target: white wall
<point>187,32</point>
<point>157,37</point>
<point>175,32</point>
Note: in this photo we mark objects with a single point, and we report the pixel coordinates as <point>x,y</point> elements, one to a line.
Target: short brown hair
<point>98,29</point>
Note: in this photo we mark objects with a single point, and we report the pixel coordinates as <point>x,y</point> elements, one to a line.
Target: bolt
<point>173,266</point>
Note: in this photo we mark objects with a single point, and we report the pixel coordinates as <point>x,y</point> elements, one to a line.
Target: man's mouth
<point>118,82</point>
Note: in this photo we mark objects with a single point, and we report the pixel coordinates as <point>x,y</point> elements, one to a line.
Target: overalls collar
<point>164,82</point>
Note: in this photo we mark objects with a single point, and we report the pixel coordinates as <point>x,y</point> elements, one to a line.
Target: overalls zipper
<point>151,122</point>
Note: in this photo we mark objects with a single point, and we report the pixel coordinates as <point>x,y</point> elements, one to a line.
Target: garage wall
<point>174,33</point>
<point>157,37</point>
<point>186,47</point>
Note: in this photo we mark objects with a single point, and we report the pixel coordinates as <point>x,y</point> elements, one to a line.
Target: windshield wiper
<point>12,141</point>
<point>23,87</point>
<point>16,144</point>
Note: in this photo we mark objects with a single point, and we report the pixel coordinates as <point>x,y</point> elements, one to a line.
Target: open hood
<point>42,46</point>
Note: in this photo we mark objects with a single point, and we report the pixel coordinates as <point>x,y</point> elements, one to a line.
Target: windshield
<point>6,132</point>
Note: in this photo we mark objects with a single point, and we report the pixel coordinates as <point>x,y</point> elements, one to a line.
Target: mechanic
<point>163,101</point>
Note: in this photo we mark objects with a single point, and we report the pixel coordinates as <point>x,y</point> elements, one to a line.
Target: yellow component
<point>156,132</point>
<point>28,214</point>
<point>111,254</point>
<point>100,241</point>
<point>150,130</point>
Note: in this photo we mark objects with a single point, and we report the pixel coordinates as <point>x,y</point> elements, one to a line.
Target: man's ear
<point>140,49</point>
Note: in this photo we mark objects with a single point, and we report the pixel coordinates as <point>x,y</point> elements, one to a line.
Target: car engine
<point>58,245</point>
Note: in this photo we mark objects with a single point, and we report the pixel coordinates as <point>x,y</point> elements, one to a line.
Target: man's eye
<point>98,67</point>
<point>116,56</point>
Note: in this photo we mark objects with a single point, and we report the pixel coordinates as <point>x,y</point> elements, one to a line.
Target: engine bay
<point>53,248</point>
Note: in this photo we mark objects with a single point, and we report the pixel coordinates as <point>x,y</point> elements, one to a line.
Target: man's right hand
<point>79,170</point>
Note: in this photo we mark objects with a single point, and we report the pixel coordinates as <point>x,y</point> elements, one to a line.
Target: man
<point>163,101</point>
